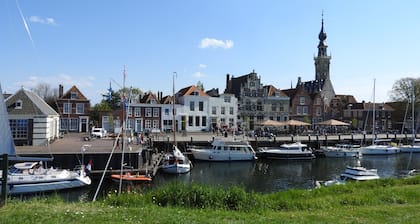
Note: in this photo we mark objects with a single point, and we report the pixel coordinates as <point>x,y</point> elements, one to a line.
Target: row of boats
<point>225,150</point>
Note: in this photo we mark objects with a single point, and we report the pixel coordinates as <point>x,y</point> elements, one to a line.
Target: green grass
<point>381,201</point>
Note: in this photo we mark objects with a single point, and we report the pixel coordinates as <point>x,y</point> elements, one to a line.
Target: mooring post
<point>5,165</point>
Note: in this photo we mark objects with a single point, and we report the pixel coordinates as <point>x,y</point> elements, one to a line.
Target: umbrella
<point>271,123</point>
<point>333,122</point>
<point>294,123</point>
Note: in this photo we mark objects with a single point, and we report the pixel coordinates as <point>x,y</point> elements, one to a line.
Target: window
<point>147,124</point>
<point>80,108</point>
<point>259,106</point>
<point>190,121</point>
<point>302,100</point>
<point>318,111</point>
<point>201,106</point>
<point>74,124</point>
<point>73,95</point>
<point>305,110</point>
<point>273,107</point>
<point>213,110</point>
<point>18,104</point>
<point>197,121</point>
<point>19,128</point>
<point>222,110</point>
<point>155,124</point>
<point>231,110</point>
<point>137,112</point>
<point>166,111</point>
<point>148,112</point>
<point>192,106</point>
<point>129,111</point>
<point>204,121</point>
<point>155,112</point>
<point>67,108</point>
<point>227,99</point>
<point>231,122</point>
<point>299,110</point>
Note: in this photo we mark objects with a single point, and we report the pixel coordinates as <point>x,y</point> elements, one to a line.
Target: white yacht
<point>32,177</point>
<point>342,150</point>
<point>293,151</point>
<point>224,150</point>
<point>414,147</point>
<point>380,147</point>
<point>352,173</point>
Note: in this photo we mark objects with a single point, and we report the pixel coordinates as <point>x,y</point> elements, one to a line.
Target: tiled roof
<point>32,104</point>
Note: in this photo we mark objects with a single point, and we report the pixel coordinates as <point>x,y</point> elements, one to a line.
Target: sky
<point>88,43</point>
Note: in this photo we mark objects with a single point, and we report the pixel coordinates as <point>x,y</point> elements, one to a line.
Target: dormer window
<point>18,104</point>
<point>73,95</point>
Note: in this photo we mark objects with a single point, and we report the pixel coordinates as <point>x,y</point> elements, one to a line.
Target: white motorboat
<point>342,150</point>
<point>380,147</point>
<point>293,151</point>
<point>28,175</point>
<point>352,173</point>
<point>175,162</point>
<point>225,150</point>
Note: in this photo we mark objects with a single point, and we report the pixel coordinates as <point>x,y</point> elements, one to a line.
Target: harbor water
<point>265,176</point>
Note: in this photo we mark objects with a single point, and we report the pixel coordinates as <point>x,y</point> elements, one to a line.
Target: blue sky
<point>87,43</point>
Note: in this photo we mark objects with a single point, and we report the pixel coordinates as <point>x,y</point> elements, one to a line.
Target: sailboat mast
<point>374,114</point>
<point>122,131</point>
<point>413,100</point>
<point>173,108</point>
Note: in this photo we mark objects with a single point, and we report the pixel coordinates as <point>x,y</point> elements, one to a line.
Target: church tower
<point>322,61</point>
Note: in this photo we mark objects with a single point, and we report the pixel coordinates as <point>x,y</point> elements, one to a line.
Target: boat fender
<point>210,157</point>
<point>31,171</point>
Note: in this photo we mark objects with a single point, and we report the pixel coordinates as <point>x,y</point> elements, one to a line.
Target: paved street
<point>73,142</point>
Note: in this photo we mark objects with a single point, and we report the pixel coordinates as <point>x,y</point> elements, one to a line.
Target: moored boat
<point>28,175</point>
<point>414,147</point>
<point>32,177</point>
<point>175,162</point>
<point>342,150</point>
<point>293,151</point>
<point>380,147</point>
<point>352,173</point>
<point>127,176</point>
<point>225,150</point>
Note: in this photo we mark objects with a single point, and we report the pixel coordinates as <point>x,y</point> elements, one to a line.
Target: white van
<point>98,132</point>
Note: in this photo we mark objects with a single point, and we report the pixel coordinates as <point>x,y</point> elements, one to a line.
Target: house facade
<point>256,103</point>
<point>32,120</point>
<point>74,110</point>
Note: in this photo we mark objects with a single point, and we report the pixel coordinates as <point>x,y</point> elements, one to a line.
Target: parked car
<point>98,132</point>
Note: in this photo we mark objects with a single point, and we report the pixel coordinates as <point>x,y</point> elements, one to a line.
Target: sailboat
<point>29,175</point>
<point>175,162</point>
<point>378,147</point>
<point>415,145</point>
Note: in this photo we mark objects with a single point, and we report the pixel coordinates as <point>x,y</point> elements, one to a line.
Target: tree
<point>46,92</point>
<point>402,89</point>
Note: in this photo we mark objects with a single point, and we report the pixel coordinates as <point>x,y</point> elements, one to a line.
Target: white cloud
<point>199,75</point>
<point>202,66</point>
<point>47,20</point>
<point>214,43</point>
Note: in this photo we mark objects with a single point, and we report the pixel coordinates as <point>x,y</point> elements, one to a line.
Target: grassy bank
<point>381,201</point>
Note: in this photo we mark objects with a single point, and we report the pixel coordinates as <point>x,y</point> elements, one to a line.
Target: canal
<point>264,175</point>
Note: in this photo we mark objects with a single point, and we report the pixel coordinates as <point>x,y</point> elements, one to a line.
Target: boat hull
<point>130,177</point>
<point>339,153</point>
<point>378,150</point>
<point>176,168</point>
<point>406,149</point>
<point>28,188</point>
<point>218,155</point>
<point>280,154</point>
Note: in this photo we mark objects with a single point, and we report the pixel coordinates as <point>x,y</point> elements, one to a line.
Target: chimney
<point>227,83</point>
<point>60,91</point>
